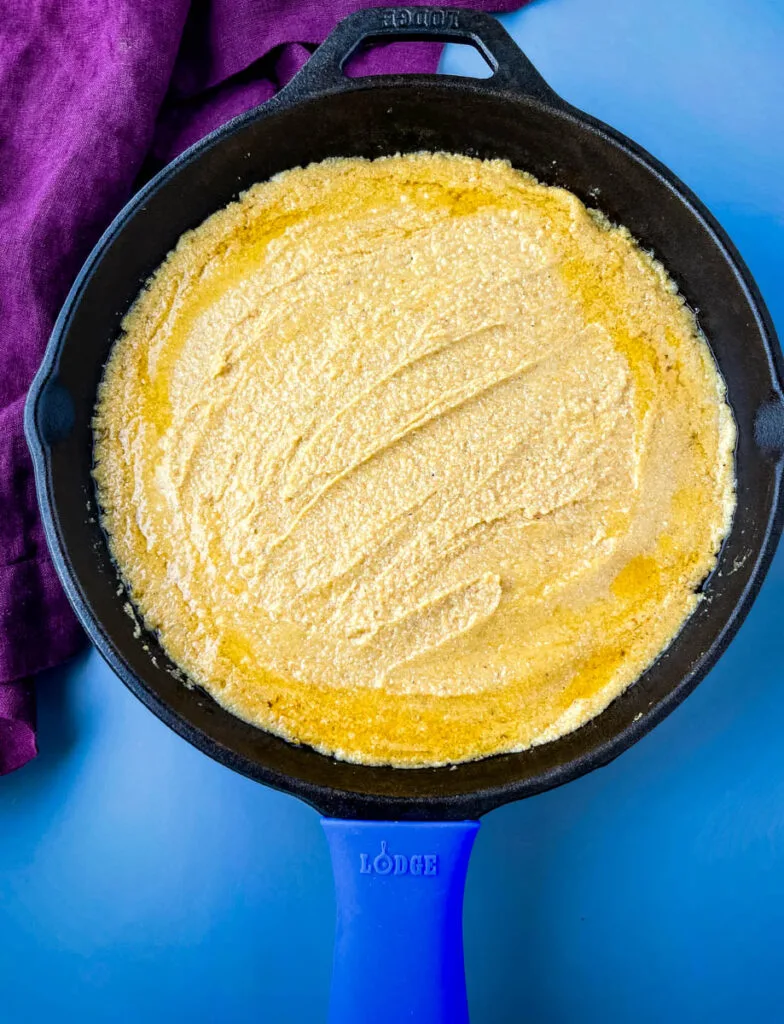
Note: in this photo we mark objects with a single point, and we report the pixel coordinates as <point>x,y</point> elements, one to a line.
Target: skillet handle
<point>399,935</point>
<point>511,68</point>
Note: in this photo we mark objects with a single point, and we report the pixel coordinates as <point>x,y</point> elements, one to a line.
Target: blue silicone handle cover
<point>399,935</point>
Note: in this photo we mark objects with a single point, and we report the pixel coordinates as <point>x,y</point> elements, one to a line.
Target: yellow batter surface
<point>414,460</point>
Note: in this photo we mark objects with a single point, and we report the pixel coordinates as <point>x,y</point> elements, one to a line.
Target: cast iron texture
<point>515,115</point>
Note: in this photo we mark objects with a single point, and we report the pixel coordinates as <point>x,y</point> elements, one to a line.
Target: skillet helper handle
<point>399,935</point>
<point>511,68</point>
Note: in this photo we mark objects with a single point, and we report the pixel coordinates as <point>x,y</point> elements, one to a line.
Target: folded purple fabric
<point>91,96</point>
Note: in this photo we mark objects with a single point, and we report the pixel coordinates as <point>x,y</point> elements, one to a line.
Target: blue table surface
<point>141,881</point>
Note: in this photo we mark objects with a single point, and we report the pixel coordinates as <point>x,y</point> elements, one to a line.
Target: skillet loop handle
<point>512,70</point>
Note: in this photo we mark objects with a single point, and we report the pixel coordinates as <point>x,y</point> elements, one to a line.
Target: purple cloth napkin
<point>91,96</point>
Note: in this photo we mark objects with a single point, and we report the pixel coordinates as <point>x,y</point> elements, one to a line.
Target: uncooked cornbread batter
<point>414,460</point>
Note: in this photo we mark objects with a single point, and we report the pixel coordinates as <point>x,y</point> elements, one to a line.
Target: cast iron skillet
<point>513,114</point>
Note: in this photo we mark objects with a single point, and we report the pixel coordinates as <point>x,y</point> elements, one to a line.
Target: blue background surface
<point>141,881</point>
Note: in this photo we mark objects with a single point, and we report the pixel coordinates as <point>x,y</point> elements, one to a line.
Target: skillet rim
<point>341,802</point>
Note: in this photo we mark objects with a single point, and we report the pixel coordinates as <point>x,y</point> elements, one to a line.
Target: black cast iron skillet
<point>513,114</point>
